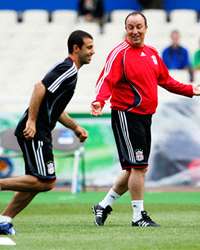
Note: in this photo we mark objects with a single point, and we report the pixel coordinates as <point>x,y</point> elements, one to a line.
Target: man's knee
<point>46,185</point>
<point>144,170</point>
<point>139,170</point>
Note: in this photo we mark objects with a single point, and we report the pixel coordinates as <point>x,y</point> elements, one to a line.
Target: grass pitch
<point>62,221</point>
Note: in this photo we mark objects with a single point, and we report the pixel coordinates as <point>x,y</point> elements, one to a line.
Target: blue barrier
<point>20,5</point>
<point>121,4</point>
<point>181,4</point>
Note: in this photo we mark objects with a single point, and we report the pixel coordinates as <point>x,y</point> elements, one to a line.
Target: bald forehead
<point>135,18</point>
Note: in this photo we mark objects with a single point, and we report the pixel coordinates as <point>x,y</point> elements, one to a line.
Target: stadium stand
<point>35,17</point>
<point>155,16</point>
<point>8,18</point>
<point>118,16</point>
<point>30,48</point>
<point>66,17</point>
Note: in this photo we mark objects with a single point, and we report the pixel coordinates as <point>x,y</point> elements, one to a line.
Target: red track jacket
<point>131,77</point>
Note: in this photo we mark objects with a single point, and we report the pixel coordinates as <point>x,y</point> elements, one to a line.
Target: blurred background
<point>34,38</point>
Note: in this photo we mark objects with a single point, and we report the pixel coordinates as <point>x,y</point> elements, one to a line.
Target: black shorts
<point>38,158</point>
<point>132,134</point>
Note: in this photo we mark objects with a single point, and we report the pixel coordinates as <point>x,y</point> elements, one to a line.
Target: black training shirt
<point>60,83</point>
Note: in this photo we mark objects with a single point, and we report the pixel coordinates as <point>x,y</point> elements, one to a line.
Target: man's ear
<point>76,48</point>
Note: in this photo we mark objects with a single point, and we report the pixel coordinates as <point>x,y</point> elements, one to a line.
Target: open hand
<point>196,89</point>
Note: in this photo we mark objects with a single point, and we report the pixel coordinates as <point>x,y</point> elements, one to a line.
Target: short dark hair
<point>175,31</point>
<point>76,37</point>
<point>134,13</point>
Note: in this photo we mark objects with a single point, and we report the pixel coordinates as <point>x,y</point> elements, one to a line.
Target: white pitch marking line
<point>7,241</point>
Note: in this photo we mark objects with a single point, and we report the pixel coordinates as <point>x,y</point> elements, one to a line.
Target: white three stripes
<point>124,128</point>
<point>109,63</point>
<point>39,158</point>
<point>71,71</point>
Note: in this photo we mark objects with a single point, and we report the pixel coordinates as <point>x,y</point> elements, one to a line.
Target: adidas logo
<point>142,54</point>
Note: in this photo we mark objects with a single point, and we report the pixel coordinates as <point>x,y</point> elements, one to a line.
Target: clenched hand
<point>30,130</point>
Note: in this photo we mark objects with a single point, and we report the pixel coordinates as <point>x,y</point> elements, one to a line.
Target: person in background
<point>49,99</point>
<point>130,80</point>
<point>176,56</point>
<point>196,59</point>
<point>151,4</point>
<point>92,10</point>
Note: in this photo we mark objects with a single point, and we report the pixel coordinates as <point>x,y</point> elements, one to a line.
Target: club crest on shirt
<point>50,167</point>
<point>142,54</point>
<point>139,156</point>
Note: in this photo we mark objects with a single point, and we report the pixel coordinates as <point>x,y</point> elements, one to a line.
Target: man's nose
<point>135,30</point>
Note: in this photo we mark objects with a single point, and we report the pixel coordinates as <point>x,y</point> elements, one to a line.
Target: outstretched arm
<point>70,123</point>
<point>109,76</point>
<point>35,102</point>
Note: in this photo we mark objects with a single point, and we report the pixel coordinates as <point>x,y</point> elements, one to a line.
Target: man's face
<point>86,52</point>
<point>136,30</point>
<point>175,37</point>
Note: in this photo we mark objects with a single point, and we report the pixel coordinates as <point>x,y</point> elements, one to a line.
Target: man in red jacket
<point>130,79</point>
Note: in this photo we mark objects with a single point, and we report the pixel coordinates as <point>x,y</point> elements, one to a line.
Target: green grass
<point>62,221</point>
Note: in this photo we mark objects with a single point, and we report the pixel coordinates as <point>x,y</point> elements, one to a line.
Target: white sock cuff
<point>137,202</point>
<point>109,199</point>
<point>4,218</point>
<point>112,192</point>
<point>138,206</point>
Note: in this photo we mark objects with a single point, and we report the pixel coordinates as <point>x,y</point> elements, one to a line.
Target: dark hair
<point>134,13</point>
<point>76,37</point>
<point>175,31</point>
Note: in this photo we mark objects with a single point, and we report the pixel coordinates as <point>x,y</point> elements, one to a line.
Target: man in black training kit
<point>49,99</point>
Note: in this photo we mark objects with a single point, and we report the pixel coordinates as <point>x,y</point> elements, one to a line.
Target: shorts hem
<point>135,167</point>
<point>44,177</point>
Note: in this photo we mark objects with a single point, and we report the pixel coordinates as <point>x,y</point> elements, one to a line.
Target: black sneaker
<point>101,214</point>
<point>145,221</point>
<point>7,228</point>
